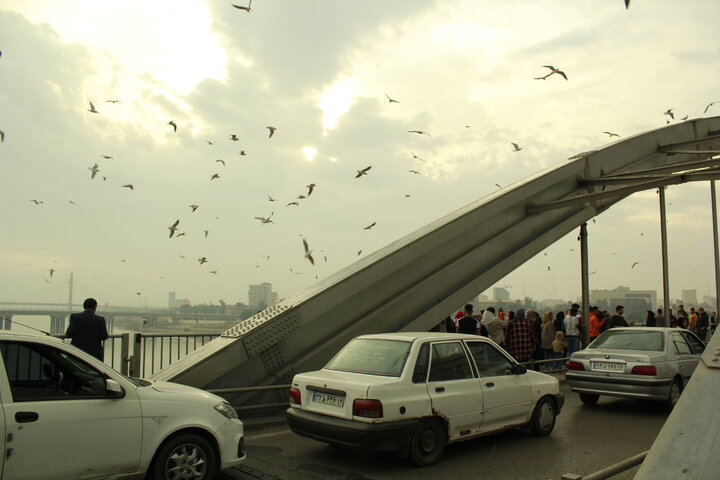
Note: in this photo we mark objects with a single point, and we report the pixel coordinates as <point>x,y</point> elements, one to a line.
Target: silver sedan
<point>635,362</point>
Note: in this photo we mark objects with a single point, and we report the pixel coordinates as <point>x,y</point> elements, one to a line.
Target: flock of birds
<point>174,228</point>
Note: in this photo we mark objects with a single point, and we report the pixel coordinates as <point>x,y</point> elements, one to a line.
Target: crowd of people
<point>526,335</point>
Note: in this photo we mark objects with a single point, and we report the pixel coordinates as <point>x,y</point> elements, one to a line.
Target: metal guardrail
<point>116,348</point>
<point>610,471</point>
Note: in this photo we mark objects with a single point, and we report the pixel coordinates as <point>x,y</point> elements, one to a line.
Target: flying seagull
<point>194,207</point>
<point>52,270</point>
<point>420,132</point>
<point>202,260</point>
<point>37,202</point>
<point>209,142</point>
<point>611,134</point>
<point>706,108</point>
<point>293,203</point>
<point>684,118</point>
<point>206,232</point>
<point>633,265</point>
<point>308,252</point>
<point>265,219</point>
<point>129,185</point>
<point>234,138</point>
<point>414,171</point>
<point>72,203</point>
<point>310,188</point>
<point>214,176</point>
<point>2,134</point>
<point>362,172</point>
<point>242,153</point>
<point>554,70</point>
<point>94,169</point>
<point>173,228</point>
<point>391,100</point>
<point>271,199</point>
<point>92,108</point>
<point>669,113</point>
<point>113,101</point>
<point>370,226</point>
<point>359,252</point>
<point>416,157</point>
<point>173,124</point>
<point>240,7</point>
<point>221,161</point>
<point>272,131</point>
<point>516,147</point>
<point>301,197</point>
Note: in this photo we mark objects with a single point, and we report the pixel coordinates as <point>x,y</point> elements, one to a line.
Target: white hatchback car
<point>415,392</point>
<point>66,415</point>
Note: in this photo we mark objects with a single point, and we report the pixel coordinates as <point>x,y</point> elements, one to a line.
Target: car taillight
<point>573,365</point>
<point>295,396</point>
<point>367,408</point>
<point>644,370</point>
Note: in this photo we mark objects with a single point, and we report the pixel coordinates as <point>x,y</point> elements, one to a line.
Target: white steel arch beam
<point>413,283</point>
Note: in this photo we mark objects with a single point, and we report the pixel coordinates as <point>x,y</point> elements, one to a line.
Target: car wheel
<point>185,457</point>
<point>674,395</point>
<point>427,443</point>
<point>589,398</point>
<point>543,418</point>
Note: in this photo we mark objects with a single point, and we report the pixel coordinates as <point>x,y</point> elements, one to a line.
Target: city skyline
<point>324,81</point>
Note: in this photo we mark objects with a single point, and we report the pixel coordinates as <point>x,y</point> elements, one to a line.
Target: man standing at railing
<point>88,330</point>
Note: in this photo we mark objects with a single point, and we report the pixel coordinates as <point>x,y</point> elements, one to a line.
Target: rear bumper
<point>635,386</point>
<point>351,434</point>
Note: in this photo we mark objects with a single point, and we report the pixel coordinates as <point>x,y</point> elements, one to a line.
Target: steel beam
<point>665,269</point>
<point>584,275</point>
<point>716,250</point>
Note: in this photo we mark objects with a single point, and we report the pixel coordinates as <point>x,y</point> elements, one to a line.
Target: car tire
<point>186,456</point>
<point>427,443</point>
<point>674,394</point>
<point>589,398</point>
<point>542,421</point>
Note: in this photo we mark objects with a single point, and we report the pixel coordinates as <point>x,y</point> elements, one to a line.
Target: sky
<point>322,74</point>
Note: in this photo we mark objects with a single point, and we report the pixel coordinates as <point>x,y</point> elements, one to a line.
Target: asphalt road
<point>586,439</point>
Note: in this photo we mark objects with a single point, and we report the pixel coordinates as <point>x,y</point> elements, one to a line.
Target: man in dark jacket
<point>702,324</point>
<point>88,330</point>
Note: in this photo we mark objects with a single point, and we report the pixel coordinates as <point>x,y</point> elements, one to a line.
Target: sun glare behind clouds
<point>336,101</point>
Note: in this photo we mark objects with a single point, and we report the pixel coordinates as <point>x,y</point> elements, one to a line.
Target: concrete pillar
<point>57,324</point>
<point>6,322</point>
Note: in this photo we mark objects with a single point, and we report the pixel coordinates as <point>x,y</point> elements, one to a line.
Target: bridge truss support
<point>57,324</point>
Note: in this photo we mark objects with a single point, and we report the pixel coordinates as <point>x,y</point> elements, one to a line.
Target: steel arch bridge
<point>411,284</point>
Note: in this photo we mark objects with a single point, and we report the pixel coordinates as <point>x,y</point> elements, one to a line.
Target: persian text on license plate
<point>608,366</point>
<point>328,399</point>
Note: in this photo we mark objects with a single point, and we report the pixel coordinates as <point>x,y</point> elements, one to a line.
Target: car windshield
<point>629,340</point>
<point>372,356</point>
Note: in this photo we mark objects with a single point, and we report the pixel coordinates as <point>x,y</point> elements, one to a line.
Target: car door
<point>696,347</point>
<point>686,360</point>
<point>61,422</point>
<point>454,390</point>
<point>507,396</point>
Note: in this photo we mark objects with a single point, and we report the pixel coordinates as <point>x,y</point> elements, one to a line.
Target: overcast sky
<point>319,72</point>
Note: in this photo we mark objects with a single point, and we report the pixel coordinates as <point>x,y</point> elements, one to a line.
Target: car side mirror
<point>518,369</point>
<point>113,389</point>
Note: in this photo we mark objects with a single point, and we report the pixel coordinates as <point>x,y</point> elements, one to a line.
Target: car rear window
<point>629,340</point>
<point>372,356</point>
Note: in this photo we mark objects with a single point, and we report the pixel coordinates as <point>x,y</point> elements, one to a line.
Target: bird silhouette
<point>113,101</point>
<point>37,202</point>
<point>72,203</point>
<point>94,170</point>
<point>611,134</point>
<point>173,227</point>
<point>414,171</point>
<point>209,142</point>
<point>370,226</point>
<point>308,252</point>
<point>242,153</point>
<point>234,138</point>
<point>516,147</point>
<point>710,105</point>
<point>420,132</point>
<point>272,131</point>
<point>2,136</point>
<point>194,207</point>
<point>669,113</point>
<point>129,185</point>
<point>293,203</point>
<point>92,108</point>
<point>391,100</point>
<point>214,176</point>
<point>107,157</point>
<point>52,270</point>
<point>554,70</point>
<point>265,219</point>
<point>310,188</point>
<point>271,199</point>
<point>221,161</point>
<point>206,232</point>
<point>214,272</point>
<point>362,172</point>
<point>359,252</point>
<point>173,124</point>
<point>202,260</point>
<point>240,7</point>
<point>416,157</point>
<point>633,265</point>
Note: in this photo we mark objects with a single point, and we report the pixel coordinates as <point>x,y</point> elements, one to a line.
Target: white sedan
<point>416,392</point>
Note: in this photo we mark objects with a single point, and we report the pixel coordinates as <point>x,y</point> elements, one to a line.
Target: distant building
<point>709,301</point>
<point>500,294</point>
<point>481,298</point>
<point>174,302</point>
<point>262,294</point>
<point>689,297</point>
<point>636,302</point>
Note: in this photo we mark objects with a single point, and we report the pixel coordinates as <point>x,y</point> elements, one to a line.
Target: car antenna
<point>31,328</point>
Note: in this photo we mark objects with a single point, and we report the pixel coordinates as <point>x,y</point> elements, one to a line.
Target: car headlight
<point>226,409</point>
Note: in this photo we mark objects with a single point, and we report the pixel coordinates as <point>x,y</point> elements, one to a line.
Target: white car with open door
<point>416,392</point>
<point>66,415</point>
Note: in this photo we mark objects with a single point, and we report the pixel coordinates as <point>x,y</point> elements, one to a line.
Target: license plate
<point>608,366</point>
<point>328,399</point>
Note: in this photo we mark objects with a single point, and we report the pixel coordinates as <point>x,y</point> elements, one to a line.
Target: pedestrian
<point>87,330</point>
<point>713,322</point>
<point>469,324</point>
<point>572,331</point>
<point>660,318</point>
<point>558,349</point>
<point>520,338</point>
<point>673,318</point>
<point>682,315</point>
<point>559,322</point>
<point>536,322</point>
<point>650,319</point>
<point>548,336</point>
<point>701,327</point>
<point>617,320</point>
<point>495,326</point>
<point>596,323</point>
<point>692,320</point>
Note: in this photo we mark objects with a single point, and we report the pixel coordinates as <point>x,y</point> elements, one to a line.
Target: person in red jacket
<point>595,323</point>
